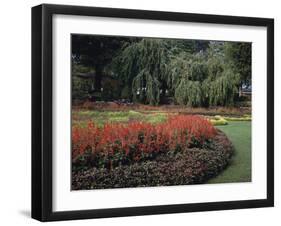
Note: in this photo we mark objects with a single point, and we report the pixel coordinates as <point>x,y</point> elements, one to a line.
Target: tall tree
<point>96,52</point>
<point>194,72</point>
<point>239,56</point>
<point>143,68</point>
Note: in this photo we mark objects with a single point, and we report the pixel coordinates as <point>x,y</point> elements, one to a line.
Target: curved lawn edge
<point>192,166</point>
<point>240,168</point>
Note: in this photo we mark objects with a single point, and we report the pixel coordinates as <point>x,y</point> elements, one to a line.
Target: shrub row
<point>190,166</point>
<point>120,144</point>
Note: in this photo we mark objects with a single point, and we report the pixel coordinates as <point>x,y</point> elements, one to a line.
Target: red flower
<point>142,138</point>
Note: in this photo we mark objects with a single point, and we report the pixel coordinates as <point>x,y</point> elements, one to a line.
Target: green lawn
<point>239,169</point>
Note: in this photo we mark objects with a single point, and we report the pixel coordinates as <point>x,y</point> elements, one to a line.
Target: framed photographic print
<point>147,112</point>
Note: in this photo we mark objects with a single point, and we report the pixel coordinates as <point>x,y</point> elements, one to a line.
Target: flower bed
<point>190,166</point>
<point>121,144</point>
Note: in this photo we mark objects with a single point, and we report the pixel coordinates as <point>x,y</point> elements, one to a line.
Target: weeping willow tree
<point>189,89</point>
<point>221,85</point>
<point>206,81</point>
<point>222,90</point>
<point>148,67</point>
<point>142,66</point>
<point>178,70</point>
<point>189,93</point>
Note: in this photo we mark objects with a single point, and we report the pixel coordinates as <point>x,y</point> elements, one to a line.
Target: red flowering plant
<point>115,143</point>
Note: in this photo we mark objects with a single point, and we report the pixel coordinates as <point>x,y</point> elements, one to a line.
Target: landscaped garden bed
<point>181,150</point>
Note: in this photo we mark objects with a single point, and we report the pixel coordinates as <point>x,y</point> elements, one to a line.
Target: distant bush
<point>244,118</point>
<point>219,120</point>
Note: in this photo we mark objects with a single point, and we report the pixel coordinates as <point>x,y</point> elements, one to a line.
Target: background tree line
<point>152,70</point>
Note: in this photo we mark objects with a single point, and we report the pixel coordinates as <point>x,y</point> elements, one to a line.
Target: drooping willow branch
<point>151,67</point>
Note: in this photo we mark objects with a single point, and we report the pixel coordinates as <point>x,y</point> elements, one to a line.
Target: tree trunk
<point>98,78</point>
<point>240,89</point>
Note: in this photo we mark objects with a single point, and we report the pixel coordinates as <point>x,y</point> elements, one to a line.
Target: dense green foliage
<point>142,66</point>
<point>81,87</point>
<point>148,70</point>
<point>240,55</point>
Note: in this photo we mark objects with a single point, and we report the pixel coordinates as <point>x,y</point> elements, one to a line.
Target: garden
<point>159,112</point>
<point>113,148</point>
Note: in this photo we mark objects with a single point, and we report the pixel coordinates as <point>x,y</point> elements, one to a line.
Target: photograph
<point>144,112</point>
<point>159,111</point>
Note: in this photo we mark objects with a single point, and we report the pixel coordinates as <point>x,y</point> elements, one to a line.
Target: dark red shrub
<point>124,143</point>
<point>190,166</point>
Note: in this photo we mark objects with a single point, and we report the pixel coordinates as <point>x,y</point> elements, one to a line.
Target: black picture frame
<point>42,111</point>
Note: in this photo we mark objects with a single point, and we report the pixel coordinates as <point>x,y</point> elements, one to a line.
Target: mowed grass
<point>239,169</point>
